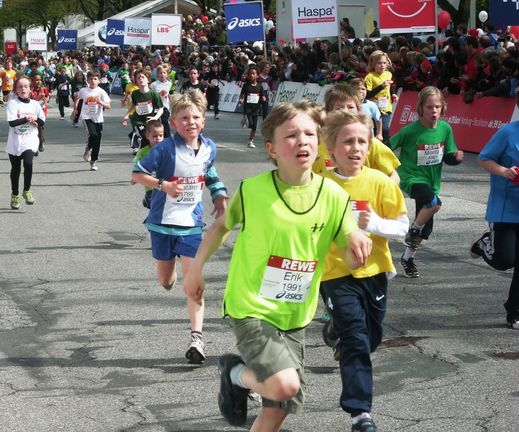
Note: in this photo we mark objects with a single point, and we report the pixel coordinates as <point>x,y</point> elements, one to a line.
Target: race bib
<point>253,98</point>
<point>10,82</point>
<point>144,108</point>
<point>90,105</point>
<point>382,103</point>
<point>193,188</point>
<point>430,154</point>
<point>287,280</point>
<point>357,207</point>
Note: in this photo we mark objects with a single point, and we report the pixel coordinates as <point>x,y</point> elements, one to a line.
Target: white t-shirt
<point>162,88</point>
<point>25,136</point>
<point>91,110</point>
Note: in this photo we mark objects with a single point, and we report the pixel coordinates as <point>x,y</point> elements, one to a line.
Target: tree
<point>462,13</point>
<point>14,14</point>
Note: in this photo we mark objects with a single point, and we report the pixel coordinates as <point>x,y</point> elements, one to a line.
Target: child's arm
<point>194,283</point>
<point>218,192</point>
<point>371,222</point>
<point>453,158</point>
<point>358,250</point>
<point>499,170</point>
<point>172,188</point>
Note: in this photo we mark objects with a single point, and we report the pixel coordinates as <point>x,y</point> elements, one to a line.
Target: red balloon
<point>444,19</point>
<point>514,30</point>
<point>205,19</point>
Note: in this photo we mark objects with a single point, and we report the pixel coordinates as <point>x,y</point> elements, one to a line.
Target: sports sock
<point>418,227</point>
<point>236,375</point>
<point>409,253</point>
<point>356,419</point>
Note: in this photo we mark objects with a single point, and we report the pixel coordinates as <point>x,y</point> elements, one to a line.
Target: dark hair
<point>93,73</point>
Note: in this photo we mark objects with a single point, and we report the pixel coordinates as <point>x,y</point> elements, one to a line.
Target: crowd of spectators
<point>474,63</point>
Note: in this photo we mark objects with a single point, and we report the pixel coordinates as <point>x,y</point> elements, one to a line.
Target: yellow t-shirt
<point>8,77</point>
<point>380,157</point>
<point>386,200</point>
<point>383,97</point>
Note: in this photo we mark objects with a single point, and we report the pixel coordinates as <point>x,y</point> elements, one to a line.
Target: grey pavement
<point>90,342</point>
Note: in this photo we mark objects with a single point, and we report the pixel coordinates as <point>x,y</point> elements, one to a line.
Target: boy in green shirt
<point>289,217</point>
<point>425,145</point>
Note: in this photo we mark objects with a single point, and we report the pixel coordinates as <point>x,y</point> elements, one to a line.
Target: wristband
<point>159,185</point>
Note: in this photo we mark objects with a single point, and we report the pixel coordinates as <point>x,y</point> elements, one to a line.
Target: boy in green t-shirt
<point>289,218</point>
<point>425,145</point>
<point>154,135</point>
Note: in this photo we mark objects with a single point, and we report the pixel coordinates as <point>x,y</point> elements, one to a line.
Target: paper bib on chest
<point>430,154</point>
<point>193,188</point>
<point>287,280</point>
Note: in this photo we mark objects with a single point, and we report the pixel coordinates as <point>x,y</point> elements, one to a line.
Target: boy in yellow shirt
<point>357,297</point>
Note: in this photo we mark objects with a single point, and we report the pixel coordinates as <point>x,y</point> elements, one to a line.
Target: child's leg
<point>61,106</point>
<point>253,124</point>
<point>27,156</point>
<point>195,310</point>
<point>269,420</point>
<point>16,169</point>
<point>166,273</point>
<point>350,318</point>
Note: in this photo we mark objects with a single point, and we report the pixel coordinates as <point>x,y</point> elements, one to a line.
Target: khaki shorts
<point>267,350</point>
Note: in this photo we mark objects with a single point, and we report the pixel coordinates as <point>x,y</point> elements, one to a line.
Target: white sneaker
<point>93,166</point>
<point>251,144</point>
<point>86,155</point>
<point>195,352</point>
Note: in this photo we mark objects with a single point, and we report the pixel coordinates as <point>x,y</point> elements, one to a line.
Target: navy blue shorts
<point>165,247</point>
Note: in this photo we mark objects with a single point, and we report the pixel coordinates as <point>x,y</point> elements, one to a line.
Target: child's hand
<point>124,122</point>
<point>459,155</point>
<point>387,83</point>
<point>359,248</point>
<point>364,218</point>
<point>172,188</point>
<point>511,173</point>
<point>220,204</point>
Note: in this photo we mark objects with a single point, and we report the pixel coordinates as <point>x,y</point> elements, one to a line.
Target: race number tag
<point>144,108</point>
<point>253,98</point>
<point>357,207</point>
<point>383,103</point>
<point>430,154</point>
<point>287,280</point>
<point>90,106</point>
<point>193,187</point>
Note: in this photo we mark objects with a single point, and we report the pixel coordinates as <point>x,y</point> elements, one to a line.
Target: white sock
<point>409,253</point>
<point>236,375</point>
<point>356,419</point>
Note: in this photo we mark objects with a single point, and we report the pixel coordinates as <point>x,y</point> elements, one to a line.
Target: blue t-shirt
<point>503,200</point>
<point>174,160</point>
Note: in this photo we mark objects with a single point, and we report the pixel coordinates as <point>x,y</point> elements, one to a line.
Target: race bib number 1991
<point>287,279</point>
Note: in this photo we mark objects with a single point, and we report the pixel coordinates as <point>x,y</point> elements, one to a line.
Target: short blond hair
<point>374,59</point>
<point>340,93</point>
<point>336,120</point>
<point>192,98</point>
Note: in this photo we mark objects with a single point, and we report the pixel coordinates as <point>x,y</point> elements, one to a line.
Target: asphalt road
<point>90,342</point>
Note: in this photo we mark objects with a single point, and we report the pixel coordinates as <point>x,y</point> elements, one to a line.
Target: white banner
<point>314,19</point>
<point>36,40</point>
<point>166,29</point>
<point>137,31</point>
<point>229,95</point>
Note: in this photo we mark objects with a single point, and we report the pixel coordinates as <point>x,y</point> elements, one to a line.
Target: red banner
<point>473,124</point>
<point>10,47</point>
<point>398,16</point>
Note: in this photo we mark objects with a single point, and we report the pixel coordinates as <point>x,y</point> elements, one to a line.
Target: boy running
<point>95,100</point>
<point>289,218</point>
<point>178,169</point>
<point>357,298</point>
<point>425,144</point>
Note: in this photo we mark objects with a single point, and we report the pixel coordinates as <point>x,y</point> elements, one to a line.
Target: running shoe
<point>232,399</point>
<point>41,147</point>
<point>477,248</point>
<point>27,196</point>
<point>93,166</point>
<point>15,202</point>
<point>251,144</point>
<point>409,267</point>
<point>195,352</point>
<point>87,154</point>
<point>365,424</point>
<point>513,321</point>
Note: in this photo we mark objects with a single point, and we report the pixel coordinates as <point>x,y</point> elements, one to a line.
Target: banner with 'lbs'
<point>166,29</point>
